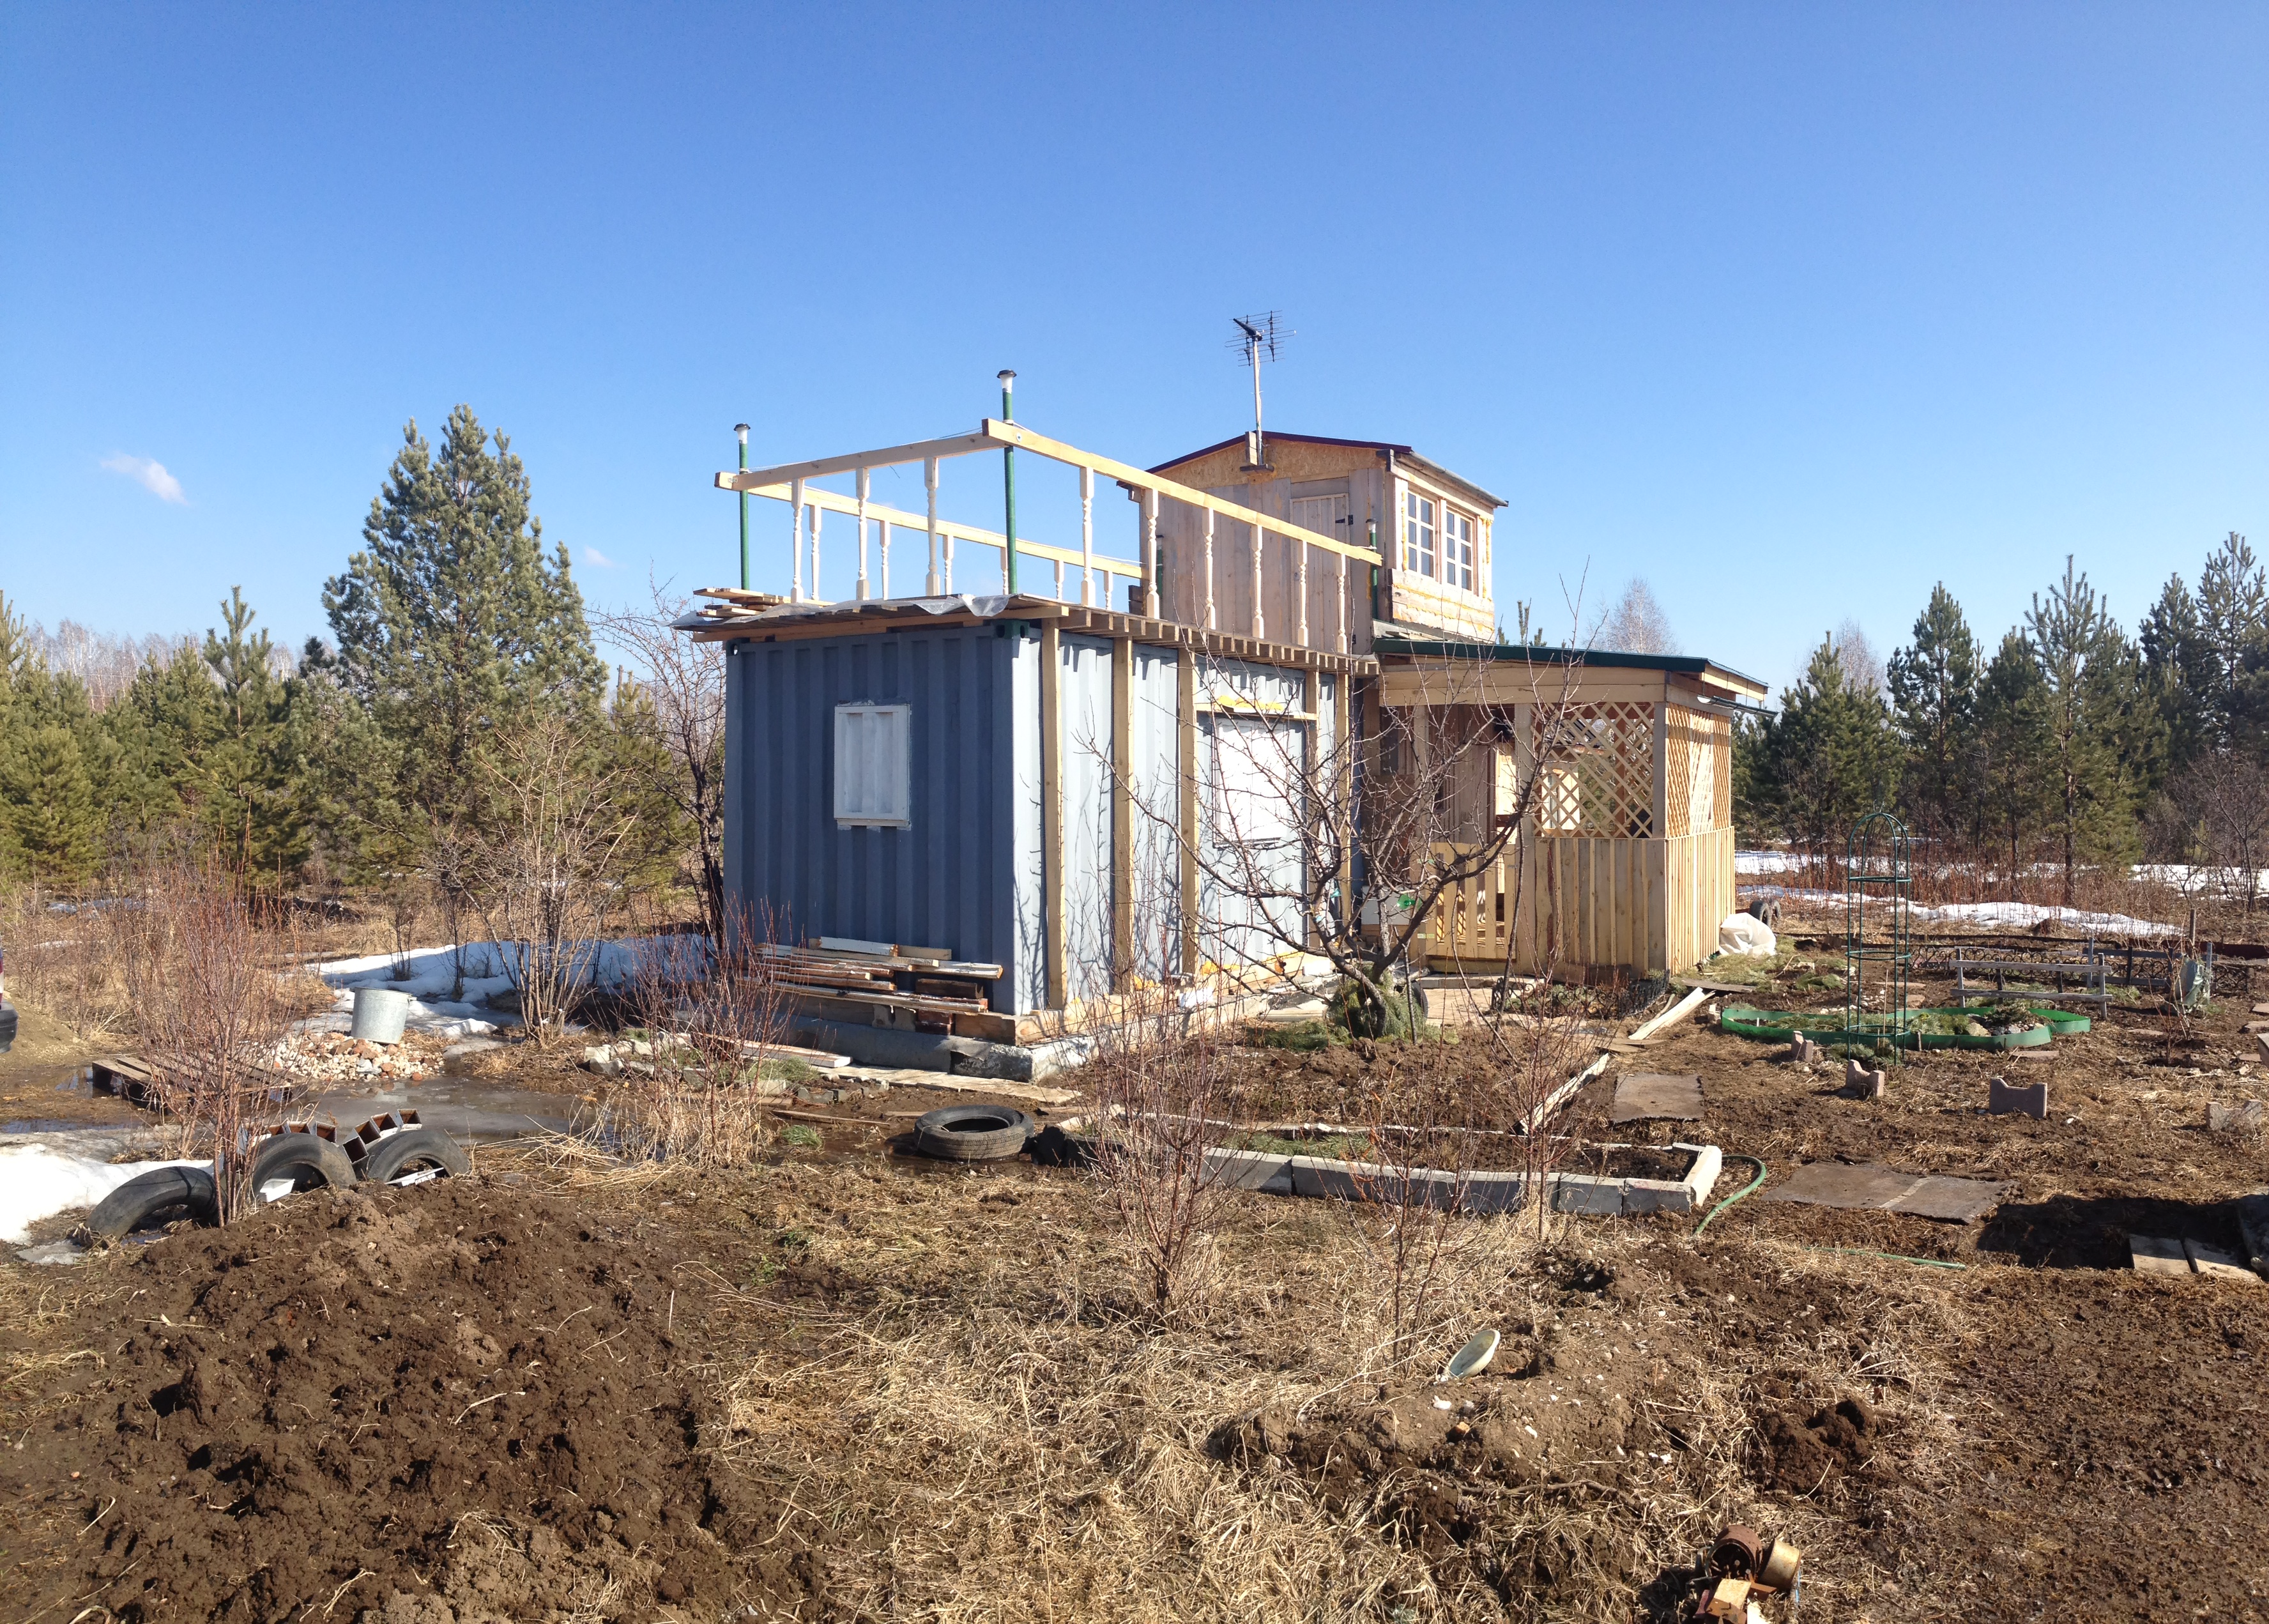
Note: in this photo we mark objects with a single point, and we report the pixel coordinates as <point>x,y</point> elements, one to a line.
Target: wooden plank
<point>1343,783</point>
<point>1056,945</point>
<point>1142,479</point>
<point>1658,905</point>
<point>836,503</point>
<point>1186,715</point>
<point>1513,682</point>
<point>1122,813</point>
<point>888,456</point>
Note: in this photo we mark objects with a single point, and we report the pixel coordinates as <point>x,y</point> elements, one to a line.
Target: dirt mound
<point>444,1404</point>
<point>1799,1448</point>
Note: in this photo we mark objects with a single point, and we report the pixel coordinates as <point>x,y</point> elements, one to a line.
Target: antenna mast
<point>1257,339</point>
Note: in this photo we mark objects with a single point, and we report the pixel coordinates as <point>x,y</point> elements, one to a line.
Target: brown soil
<point>453,1402</point>
<point>888,1387</point>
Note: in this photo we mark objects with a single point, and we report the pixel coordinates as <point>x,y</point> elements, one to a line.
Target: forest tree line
<point>2068,743</point>
<point>399,751</point>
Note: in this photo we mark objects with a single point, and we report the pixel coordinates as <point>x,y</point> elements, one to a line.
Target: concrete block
<point>1803,1050</point>
<point>2220,1264</point>
<point>2262,1038</point>
<point>1246,1169</point>
<point>2025,1099</point>
<point>1581,1193</point>
<point>1862,1081</point>
<point>1496,1192</point>
<point>2243,1117</point>
<point>2155,1255</point>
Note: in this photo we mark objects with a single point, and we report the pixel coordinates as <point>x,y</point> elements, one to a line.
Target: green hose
<point>1895,1257</point>
<point>1737,1195</point>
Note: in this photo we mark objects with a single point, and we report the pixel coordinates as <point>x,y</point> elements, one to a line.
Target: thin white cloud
<point>592,554</point>
<point>150,474</point>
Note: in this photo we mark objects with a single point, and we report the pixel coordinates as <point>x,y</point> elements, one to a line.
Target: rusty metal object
<point>1738,1553</point>
<point>1777,1571</point>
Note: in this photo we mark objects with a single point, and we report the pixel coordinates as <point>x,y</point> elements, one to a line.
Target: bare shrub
<point>62,962</point>
<point>685,680</point>
<point>546,883</point>
<point>1409,1214</point>
<point>1164,1098</point>
<point>714,1013</point>
<point>211,1007</point>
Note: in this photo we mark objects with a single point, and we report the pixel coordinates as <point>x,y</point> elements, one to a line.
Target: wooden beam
<point>1122,813</point>
<point>1186,712</point>
<point>1311,695</point>
<point>1052,842</point>
<point>952,530</point>
<point>1139,479</point>
<point>1513,682</point>
<point>1345,787</point>
<point>888,456</point>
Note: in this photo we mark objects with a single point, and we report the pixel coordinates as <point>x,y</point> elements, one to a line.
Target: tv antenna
<point>1258,339</point>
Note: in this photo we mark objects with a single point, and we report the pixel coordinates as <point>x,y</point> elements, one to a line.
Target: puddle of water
<point>465,1108</point>
<point>49,1125</point>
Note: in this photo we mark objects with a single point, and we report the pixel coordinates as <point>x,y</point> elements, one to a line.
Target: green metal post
<point>1009,475</point>
<point>740,432</point>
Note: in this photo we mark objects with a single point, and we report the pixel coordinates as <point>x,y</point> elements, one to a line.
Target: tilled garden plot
<point>456,1402</point>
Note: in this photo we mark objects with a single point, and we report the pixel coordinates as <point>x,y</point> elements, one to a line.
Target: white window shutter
<point>873,766</point>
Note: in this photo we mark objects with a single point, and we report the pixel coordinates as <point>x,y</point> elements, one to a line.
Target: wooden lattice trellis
<point>1598,761</point>
<point>1698,753</point>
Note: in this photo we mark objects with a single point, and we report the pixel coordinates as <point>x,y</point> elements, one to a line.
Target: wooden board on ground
<point>1656,1096</point>
<point>2156,1254</point>
<point>1715,986</point>
<point>1035,1093</point>
<point>2220,1264</point>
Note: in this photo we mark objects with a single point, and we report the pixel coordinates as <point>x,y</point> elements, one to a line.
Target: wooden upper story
<point>1431,530</point>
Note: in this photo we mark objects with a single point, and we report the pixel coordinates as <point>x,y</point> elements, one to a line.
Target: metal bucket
<point>379,1013</point>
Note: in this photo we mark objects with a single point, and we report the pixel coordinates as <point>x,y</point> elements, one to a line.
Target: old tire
<point>153,1198</point>
<point>415,1150</point>
<point>7,1026</point>
<point>309,1161</point>
<point>972,1133</point>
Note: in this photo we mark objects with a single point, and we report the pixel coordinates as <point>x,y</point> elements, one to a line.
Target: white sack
<point>1742,933</point>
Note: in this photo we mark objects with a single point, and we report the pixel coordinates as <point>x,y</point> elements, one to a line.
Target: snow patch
<point>37,1182</point>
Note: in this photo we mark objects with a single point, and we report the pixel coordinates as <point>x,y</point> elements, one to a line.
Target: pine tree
<point>2012,784</point>
<point>2090,679</point>
<point>161,726</point>
<point>2179,667</point>
<point>451,624</point>
<point>1828,758</point>
<point>2233,607</point>
<point>253,800</point>
<point>1933,682</point>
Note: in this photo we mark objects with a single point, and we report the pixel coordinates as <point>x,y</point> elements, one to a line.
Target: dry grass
<point>973,1419</point>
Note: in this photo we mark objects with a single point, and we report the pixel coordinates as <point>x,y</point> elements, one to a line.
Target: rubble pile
<point>335,1056</point>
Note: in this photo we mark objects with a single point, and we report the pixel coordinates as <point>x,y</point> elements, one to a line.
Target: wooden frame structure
<point>1626,858</point>
<point>808,504</point>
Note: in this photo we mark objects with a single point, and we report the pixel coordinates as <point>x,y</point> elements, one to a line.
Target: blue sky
<point>1792,310</point>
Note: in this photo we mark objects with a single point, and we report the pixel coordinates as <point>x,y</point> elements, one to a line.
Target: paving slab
<point>2243,1117</point>
<point>1843,1183</point>
<point>2155,1254</point>
<point>1951,1200</point>
<point>1653,1096</point>
<point>1862,1185</point>
<point>2220,1264</point>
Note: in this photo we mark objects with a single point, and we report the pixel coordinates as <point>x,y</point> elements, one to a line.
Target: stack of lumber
<point>736,603</point>
<point>929,981</point>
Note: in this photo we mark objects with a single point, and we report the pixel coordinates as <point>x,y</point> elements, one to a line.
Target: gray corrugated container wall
<point>966,875</point>
<point>949,880</point>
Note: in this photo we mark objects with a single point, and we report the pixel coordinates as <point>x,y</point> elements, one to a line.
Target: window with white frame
<point>873,766</point>
<point>1457,550</point>
<point>1418,522</point>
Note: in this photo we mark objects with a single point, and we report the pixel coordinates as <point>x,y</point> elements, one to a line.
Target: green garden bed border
<point>1772,1026</point>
